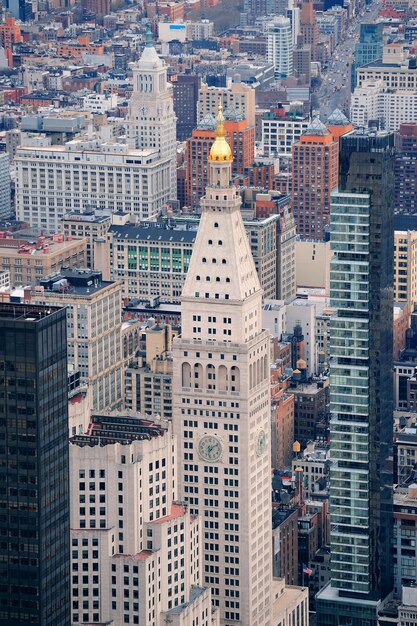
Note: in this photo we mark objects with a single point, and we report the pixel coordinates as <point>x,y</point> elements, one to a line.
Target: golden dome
<point>220,150</point>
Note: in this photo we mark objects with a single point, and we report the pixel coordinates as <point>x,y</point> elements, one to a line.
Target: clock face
<point>261,443</point>
<point>210,448</point>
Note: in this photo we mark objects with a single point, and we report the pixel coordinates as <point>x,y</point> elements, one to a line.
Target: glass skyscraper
<point>361,290</point>
<point>369,47</point>
<point>34,489</point>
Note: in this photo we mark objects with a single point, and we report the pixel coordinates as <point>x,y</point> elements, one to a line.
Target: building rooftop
<point>280,515</point>
<point>405,494</point>
<point>19,243</point>
<point>177,510</point>
<point>208,122</point>
<point>316,127</point>
<point>77,282</point>
<point>140,556</point>
<point>26,312</point>
<point>194,593</point>
<point>153,233</point>
<point>337,118</point>
<point>94,216</point>
<point>116,428</point>
<point>88,147</point>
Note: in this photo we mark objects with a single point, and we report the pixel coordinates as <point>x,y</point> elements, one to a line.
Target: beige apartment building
<point>312,264</point>
<point>150,261</point>
<point>88,225</point>
<point>405,267</point>
<point>93,330</point>
<point>239,96</point>
<point>27,259</point>
<point>395,70</point>
<point>148,379</point>
<point>138,550</point>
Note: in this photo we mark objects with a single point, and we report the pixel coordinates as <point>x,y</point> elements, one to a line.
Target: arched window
<point>265,366</point>
<point>186,375</point>
<point>235,378</point>
<point>222,378</point>
<point>198,376</point>
<point>211,376</point>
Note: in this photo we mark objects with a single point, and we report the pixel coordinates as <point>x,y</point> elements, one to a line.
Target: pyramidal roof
<point>316,127</point>
<point>149,58</point>
<point>338,118</point>
<point>231,115</point>
<point>221,261</point>
<point>208,122</point>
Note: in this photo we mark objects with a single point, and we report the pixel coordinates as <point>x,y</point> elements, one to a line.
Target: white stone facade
<point>221,408</point>
<point>99,102</point>
<point>136,553</point>
<point>390,107</point>
<point>151,120</point>
<point>280,46</point>
<point>54,180</point>
<point>280,133</point>
<point>94,339</point>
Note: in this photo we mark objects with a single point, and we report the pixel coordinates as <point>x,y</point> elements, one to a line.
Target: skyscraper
<point>151,121</point>
<point>94,329</point>
<point>5,187</point>
<point>222,403</point>
<point>185,90</point>
<point>280,46</point>
<point>314,167</point>
<point>34,489</point>
<point>406,170</point>
<point>309,29</point>
<point>361,284</point>
<point>369,47</point>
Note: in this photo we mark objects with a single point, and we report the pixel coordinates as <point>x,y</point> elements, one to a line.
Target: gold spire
<point>220,150</point>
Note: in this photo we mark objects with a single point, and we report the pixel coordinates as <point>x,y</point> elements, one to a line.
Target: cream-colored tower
<point>222,405</point>
<point>151,121</point>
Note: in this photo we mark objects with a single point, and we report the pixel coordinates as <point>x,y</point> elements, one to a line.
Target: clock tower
<point>222,403</point>
<point>151,121</point>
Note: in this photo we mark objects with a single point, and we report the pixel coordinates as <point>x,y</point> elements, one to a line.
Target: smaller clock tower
<point>151,120</point>
<point>222,403</point>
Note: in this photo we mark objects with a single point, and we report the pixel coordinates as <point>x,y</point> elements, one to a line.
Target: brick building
<point>241,138</point>
<point>315,159</point>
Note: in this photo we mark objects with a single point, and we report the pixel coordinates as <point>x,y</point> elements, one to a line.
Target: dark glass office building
<point>361,403</point>
<point>34,479</point>
<point>369,47</point>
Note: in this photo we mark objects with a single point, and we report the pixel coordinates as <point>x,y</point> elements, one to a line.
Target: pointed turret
<point>222,267</point>
<point>151,121</point>
<point>221,395</point>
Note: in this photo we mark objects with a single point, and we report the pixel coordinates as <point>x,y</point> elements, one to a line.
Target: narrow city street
<point>334,91</point>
